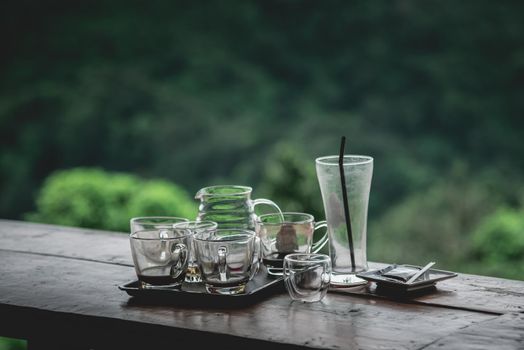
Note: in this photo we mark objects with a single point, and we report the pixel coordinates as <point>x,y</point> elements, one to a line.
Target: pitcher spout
<point>200,194</point>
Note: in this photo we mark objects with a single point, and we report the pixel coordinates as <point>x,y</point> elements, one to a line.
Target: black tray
<point>195,294</point>
<point>427,281</point>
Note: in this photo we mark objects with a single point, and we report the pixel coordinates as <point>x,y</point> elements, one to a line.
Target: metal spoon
<point>418,274</point>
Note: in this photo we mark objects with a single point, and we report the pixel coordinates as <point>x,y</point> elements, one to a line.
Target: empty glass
<point>160,257</point>
<point>192,227</point>
<point>227,259</point>
<point>358,171</point>
<point>307,276</point>
<point>282,234</point>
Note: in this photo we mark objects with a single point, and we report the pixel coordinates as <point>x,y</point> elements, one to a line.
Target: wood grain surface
<point>84,288</point>
<point>103,246</point>
<point>469,292</point>
<point>504,332</point>
<point>61,283</point>
<point>477,293</point>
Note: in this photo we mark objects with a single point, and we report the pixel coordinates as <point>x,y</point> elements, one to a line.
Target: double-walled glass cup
<point>285,233</point>
<point>160,257</point>
<point>227,259</point>
<point>307,276</point>
<point>193,227</point>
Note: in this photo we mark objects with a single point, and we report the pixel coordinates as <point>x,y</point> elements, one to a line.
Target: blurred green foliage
<point>12,344</point>
<point>97,199</point>
<point>499,237</point>
<point>200,94</point>
<point>498,243</point>
<point>290,180</point>
<point>435,223</point>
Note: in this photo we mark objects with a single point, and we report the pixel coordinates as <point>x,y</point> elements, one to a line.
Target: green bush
<point>96,199</point>
<point>498,243</point>
<point>12,344</point>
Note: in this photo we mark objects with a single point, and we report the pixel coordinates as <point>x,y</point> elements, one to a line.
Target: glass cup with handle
<point>285,233</point>
<point>193,274</point>
<point>160,257</point>
<point>227,259</point>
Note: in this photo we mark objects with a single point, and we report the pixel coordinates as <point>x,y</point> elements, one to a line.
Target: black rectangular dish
<point>195,294</point>
<point>427,280</point>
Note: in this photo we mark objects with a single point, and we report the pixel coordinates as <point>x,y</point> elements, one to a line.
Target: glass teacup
<point>286,233</point>
<point>160,257</point>
<point>193,227</point>
<point>158,253</point>
<point>227,259</point>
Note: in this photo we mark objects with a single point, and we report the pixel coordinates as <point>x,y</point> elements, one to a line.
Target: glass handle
<point>164,249</point>
<point>179,255</point>
<point>222,264</point>
<point>267,202</point>
<point>316,247</point>
<point>255,264</point>
<point>325,279</point>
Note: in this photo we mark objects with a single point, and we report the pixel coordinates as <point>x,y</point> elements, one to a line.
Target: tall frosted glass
<point>358,171</point>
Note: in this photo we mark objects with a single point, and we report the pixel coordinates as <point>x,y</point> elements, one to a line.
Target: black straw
<point>345,200</point>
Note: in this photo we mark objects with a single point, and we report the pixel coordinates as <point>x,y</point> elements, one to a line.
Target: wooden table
<point>58,289</point>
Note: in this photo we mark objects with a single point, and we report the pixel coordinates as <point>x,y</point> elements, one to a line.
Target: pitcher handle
<point>267,202</point>
<point>316,247</point>
<point>257,258</point>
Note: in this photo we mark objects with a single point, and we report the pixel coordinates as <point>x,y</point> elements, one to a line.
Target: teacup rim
<point>247,234</point>
<point>208,225</point>
<point>311,218</point>
<point>133,236</point>
<point>137,218</point>
<point>291,257</point>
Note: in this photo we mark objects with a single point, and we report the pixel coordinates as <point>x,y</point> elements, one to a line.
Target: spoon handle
<point>418,274</point>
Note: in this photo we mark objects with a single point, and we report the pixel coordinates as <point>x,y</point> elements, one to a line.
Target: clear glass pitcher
<point>230,206</point>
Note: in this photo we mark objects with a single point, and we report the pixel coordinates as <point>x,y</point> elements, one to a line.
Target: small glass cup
<point>193,274</point>
<point>307,276</point>
<point>227,259</point>
<point>160,257</point>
